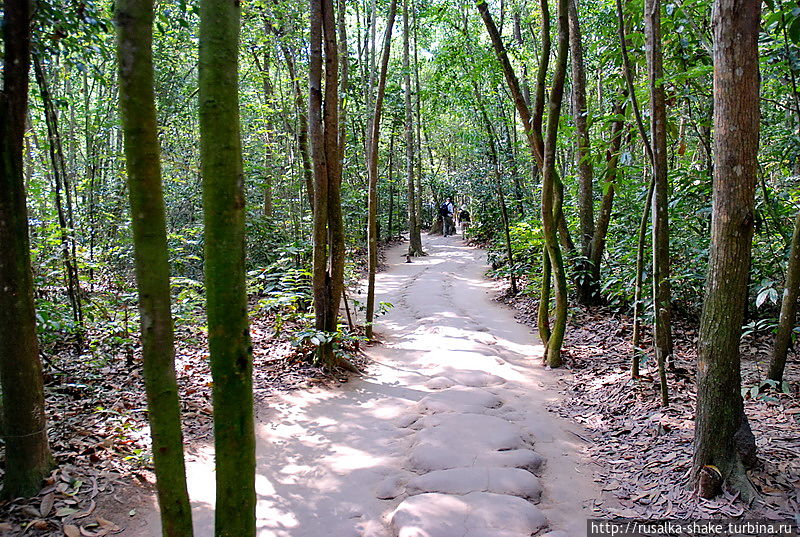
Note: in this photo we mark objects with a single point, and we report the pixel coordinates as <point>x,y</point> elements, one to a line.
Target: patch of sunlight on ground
<point>345,459</point>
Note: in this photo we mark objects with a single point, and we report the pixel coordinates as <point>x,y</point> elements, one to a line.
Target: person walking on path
<point>465,220</point>
<point>447,211</point>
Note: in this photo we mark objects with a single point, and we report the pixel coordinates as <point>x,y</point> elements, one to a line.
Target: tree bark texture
<point>140,129</point>
<point>721,426</point>
<point>226,291</point>
<point>24,432</point>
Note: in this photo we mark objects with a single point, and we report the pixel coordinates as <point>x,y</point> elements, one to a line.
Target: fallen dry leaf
<point>47,504</point>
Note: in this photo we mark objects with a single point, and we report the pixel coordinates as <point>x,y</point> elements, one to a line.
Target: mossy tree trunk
<point>721,425</point>
<point>549,186</point>
<point>532,122</point>
<point>140,129</point>
<point>24,432</point>
<point>226,293</point>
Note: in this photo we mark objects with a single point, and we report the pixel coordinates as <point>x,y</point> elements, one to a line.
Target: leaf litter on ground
<point>643,451</point>
<point>100,438</point>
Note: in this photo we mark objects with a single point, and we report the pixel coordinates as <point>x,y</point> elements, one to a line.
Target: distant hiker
<point>465,220</point>
<point>446,212</point>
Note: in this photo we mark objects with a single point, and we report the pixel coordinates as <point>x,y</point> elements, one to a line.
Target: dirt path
<point>449,426</point>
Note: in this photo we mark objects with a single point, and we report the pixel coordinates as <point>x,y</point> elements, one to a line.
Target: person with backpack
<point>446,212</point>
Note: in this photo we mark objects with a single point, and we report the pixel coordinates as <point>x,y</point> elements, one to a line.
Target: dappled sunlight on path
<point>456,387</point>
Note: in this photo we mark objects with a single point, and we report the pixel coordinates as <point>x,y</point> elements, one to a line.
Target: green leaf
<point>794,31</point>
<point>65,511</point>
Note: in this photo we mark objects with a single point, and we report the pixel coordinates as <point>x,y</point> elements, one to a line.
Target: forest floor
<point>373,455</point>
<point>643,450</point>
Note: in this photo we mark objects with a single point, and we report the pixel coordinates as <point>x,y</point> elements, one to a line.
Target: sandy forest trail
<point>455,383</point>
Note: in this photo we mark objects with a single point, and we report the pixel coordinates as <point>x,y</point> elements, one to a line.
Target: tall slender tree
<point>648,149</point>
<point>139,124</point>
<point>415,239</point>
<point>788,314</point>
<point>553,266</point>
<point>24,431</point>
<point>588,287</point>
<point>722,437</point>
<point>226,290</point>
<point>372,170</point>
<point>326,153</point>
<point>62,196</point>
<point>550,206</point>
<point>658,134</point>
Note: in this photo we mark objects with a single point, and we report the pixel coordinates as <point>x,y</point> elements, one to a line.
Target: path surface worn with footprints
<point>446,436</point>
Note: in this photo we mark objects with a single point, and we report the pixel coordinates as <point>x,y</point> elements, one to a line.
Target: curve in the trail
<point>446,436</point>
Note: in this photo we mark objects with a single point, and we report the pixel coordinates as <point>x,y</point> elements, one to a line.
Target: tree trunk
<point>344,72</point>
<point>598,244</point>
<point>549,218</point>
<point>639,283</point>
<point>532,123</point>
<point>418,125</point>
<point>788,314</point>
<point>587,286</point>
<point>61,185</point>
<point>390,181</point>
<point>226,291</point>
<point>721,430</point>
<point>526,91</point>
<point>637,297</point>
<point>786,320</point>
<point>493,153</point>
<point>372,171</point>
<point>543,311</point>
<point>658,134</point>
<point>415,239</point>
<point>138,112</point>
<point>28,458</point>
<point>302,129</point>
<point>326,151</point>
<point>269,156</point>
